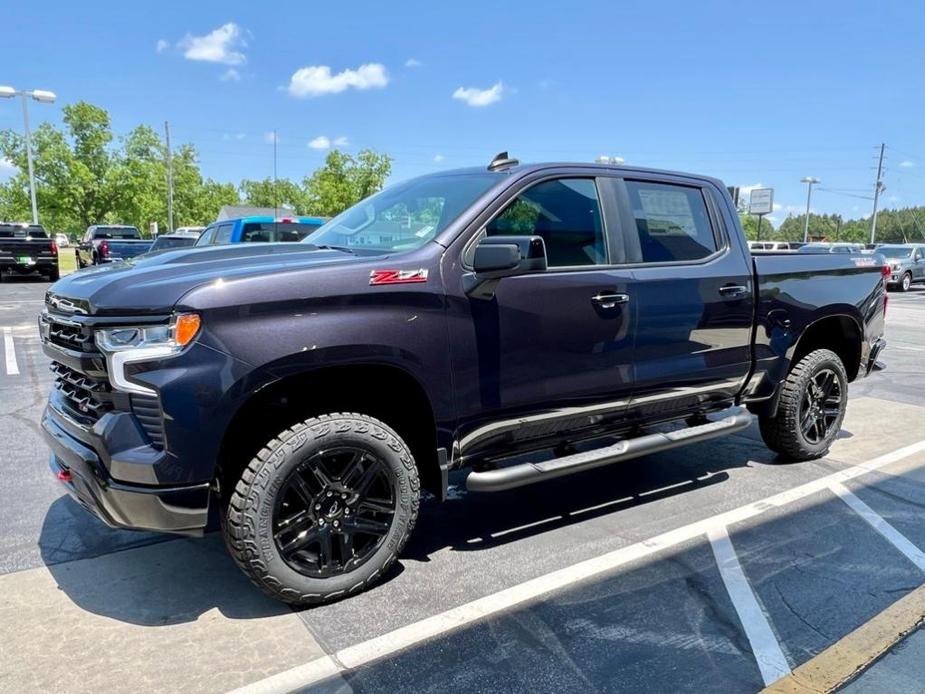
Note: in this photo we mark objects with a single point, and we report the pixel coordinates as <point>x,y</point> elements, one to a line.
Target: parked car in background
<point>26,248</point>
<point>768,246</point>
<point>823,247</point>
<point>62,240</point>
<point>308,391</point>
<point>907,264</point>
<point>107,243</point>
<point>178,239</point>
<point>188,230</point>
<point>259,230</point>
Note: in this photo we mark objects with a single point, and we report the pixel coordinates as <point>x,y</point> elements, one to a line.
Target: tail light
<point>54,248</point>
<point>887,272</point>
<point>103,249</point>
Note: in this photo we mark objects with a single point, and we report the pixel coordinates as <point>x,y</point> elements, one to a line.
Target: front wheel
<point>811,408</point>
<point>324,508</point>
<point>906,283</point>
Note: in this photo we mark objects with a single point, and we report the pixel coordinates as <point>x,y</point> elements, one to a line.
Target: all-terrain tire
<point>248,523</point>
<point>783,433</point>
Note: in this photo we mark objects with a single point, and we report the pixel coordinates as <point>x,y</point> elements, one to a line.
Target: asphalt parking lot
<point>709,568</point>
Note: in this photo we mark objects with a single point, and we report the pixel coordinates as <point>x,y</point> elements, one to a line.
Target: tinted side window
<point>223,235</point>
<point>672,222</point>
<point>566,213</point>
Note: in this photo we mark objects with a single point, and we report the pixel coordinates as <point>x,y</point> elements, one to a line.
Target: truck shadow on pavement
<point>143,578</point>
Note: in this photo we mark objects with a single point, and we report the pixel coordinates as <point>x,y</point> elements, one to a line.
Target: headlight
<point>122,346</point>
<point>179,333</point>
<point>896,266</point>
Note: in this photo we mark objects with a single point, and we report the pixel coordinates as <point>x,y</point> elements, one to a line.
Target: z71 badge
<point>397,276</point>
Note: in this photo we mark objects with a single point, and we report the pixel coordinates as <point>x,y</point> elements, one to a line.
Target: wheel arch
<point>386,392</point>
<point>839,333</point>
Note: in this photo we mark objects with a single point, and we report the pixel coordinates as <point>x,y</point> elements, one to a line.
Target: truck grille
<point>88,397</point>
<point>71,336</point>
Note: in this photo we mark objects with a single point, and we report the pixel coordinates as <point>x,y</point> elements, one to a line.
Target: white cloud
<point>317,80</point>
<point>438,158</point>
<point>777,207</point>
<point>324,142</point>
<point>747,190</point>
<point>474,96</point>
<point>161,45</point>
<point>413,62</point>
<point>907,164</point>
<point>271,137</point>
<point>235,136</point>
<point>223,45</point>
<point>7,168</point>
<point>230,75</point>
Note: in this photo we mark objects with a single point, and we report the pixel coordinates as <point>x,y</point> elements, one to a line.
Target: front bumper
<point>181,509</point>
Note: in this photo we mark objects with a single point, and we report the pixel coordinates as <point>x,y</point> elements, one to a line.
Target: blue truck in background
<point>260,229</point>
<point>307,392</point>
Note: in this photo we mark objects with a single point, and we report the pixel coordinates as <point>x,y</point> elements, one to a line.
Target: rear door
<point>918,263</point>
<point>552,351</point>
<point>691,289</point>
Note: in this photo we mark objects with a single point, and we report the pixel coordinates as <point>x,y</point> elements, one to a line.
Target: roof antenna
<point>502,161</point>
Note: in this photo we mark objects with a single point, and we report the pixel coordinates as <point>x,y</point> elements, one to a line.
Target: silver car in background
<point>907,264</point>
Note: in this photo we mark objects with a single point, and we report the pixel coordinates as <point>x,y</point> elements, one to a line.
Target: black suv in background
<point>308,391</point>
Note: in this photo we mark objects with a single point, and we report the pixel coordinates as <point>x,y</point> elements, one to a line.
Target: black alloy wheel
<point>821,407</point>
<point>334,511</point>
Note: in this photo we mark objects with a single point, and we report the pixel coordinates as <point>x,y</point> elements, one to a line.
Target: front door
<point>551,352</point>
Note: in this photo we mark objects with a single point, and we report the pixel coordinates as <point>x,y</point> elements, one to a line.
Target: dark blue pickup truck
<point>307,392</point>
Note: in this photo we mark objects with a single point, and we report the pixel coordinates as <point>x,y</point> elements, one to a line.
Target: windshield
<point>405,216</point>
<point>895,251</point>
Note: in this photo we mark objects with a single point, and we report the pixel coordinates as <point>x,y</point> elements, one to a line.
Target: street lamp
<point>45,97</point>
<point>809,180</point>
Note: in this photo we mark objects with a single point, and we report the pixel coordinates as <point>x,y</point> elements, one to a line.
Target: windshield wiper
<point>325,247</point>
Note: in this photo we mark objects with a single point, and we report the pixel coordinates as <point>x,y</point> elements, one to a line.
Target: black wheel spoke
<point>345,547</point>
<point>300,487</point>
<point>376,505</point>
<point>325,554</point>
<point>367,479</point>
<point>320,473</point>
<point>369,526</point>
<point>294,523</point>
<point>298,542</point>
<point>353,468</point>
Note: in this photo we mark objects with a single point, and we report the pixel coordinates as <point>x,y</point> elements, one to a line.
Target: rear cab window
<point>671,223</point>
<point>271,232</point>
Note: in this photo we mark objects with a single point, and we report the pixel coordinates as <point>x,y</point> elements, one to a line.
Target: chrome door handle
<point>609,300</point>
<point>736,291</point>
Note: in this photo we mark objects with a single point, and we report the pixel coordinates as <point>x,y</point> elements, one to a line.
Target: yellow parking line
<point>847,658</point>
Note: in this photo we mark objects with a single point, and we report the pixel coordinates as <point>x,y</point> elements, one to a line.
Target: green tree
<point>267,193</point>
<point>750,226</point>
<point>345,180</point>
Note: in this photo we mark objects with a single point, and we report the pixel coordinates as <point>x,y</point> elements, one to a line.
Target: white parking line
<point>767,651</point>
<point>12,368</point>
<point>498,603</point>
<point>878,523</point>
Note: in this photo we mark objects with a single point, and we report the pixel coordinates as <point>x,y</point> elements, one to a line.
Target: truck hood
<point>153,284</point>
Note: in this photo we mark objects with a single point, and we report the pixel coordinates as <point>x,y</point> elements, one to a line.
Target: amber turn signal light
<point>186,327</point>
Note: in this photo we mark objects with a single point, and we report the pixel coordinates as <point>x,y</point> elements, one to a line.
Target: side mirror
<point>497,257</point>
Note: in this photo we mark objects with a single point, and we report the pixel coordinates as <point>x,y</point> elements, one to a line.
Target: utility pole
<point>809,180</point>
<point>878,186</point>
<point>275,187</point>
<point>169,179</point>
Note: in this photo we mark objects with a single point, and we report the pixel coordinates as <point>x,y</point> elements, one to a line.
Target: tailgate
<point>22,252</point>
<point>127,248</point>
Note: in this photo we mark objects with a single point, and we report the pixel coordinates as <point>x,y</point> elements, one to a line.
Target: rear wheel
<point>54,275</point>
<point>811,408</point>
<point>324,509</point>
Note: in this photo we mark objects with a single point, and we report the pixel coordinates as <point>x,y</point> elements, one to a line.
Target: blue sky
<point>754,93</point>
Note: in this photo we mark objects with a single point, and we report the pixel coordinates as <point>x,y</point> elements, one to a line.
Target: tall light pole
<point>45,97</point>
<point>809,180</point>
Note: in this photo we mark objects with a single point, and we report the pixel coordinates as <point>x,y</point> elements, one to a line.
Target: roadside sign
<point>761,201</point>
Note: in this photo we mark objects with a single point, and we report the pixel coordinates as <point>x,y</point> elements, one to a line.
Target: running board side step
<point>529,473</point>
